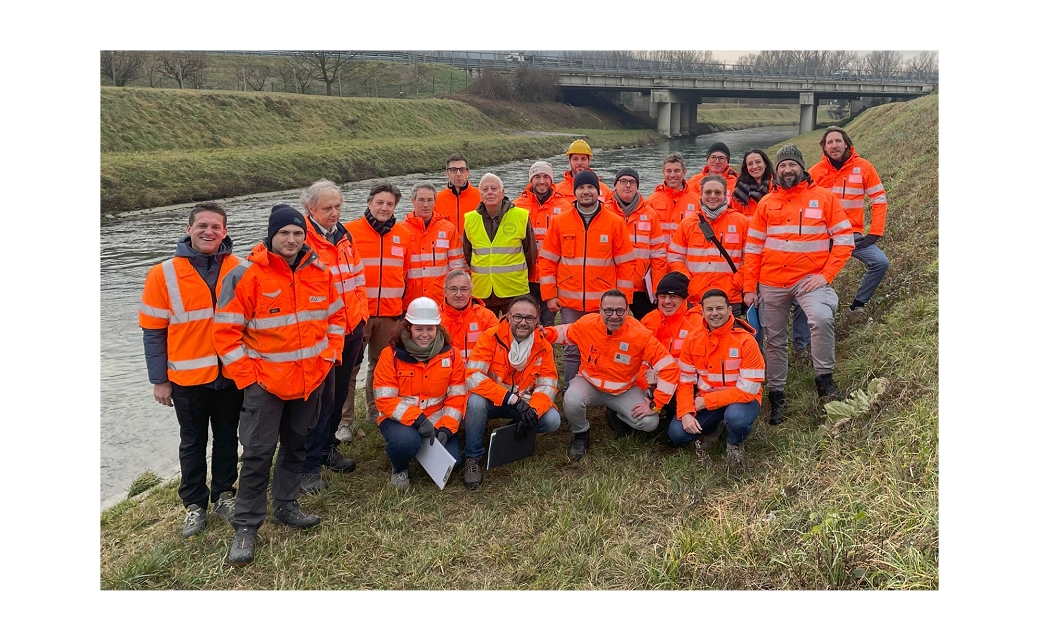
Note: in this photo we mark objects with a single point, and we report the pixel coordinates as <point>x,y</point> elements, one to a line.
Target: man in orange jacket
<point>543,203</point>
<point>176,315</point>
<point>672,199</point>
<point>464,317</point>
<point>278,330</point>
<point>459,197</point>
<point>722,370</point>
<point>436,247</point>
<point>511,374</point>
<point>612,349</point>
<point>579,157</point>
<point>717,164</point>
<point>798,241</point>
<point>648,241</point>
<point>586,253</point>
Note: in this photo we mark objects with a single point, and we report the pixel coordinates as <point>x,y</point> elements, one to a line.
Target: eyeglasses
<point>457,170</point>
<point>718,157</point>
<point>614,312</point>
<point>459,290</point>
<point>626,182</point>
<point>516,318</point>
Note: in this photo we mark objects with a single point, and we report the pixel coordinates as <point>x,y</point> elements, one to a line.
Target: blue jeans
<point>403,443</point>
<point>876,263</point>
<point>738,417</point>
<point>479,409</point>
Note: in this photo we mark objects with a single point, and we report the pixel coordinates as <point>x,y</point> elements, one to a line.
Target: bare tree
<point>254,75</point>
<point>122,66</point>
<point>882,63</point>
<point>325,65</point>
<point>923,62</point>
<point>181,66</point>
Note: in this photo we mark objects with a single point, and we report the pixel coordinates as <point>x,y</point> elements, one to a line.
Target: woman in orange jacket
<point>419,389</point>
<point>756,180</point>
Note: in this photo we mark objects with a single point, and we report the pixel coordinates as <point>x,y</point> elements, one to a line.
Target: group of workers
<point>457,305</point>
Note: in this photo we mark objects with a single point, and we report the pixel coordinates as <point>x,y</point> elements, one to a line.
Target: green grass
<point>143,483</point>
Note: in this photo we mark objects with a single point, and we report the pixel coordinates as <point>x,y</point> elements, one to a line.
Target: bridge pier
<point>675,112</point>
<point>686,109</point>
<point>808,109</point>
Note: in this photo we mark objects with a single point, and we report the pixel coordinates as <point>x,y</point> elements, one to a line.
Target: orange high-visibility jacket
<point>611,362</point>
<point>455,205</point>
<point>490,374</point>
<point>347,272</point>
<point>671,331</point>
<point>852,183</point>
<point>751,207</point>
<point>177,299</point>
<point>648,242</point>
<point>671,206</point>
<point>724,364</point>
<point>790,236</point>
<point>541,215</point>
<point>280,328</point>
<point>435,250</point>
<point>698,258</point>
<point>565,187</point>
<point>386,261</point>
<point>579,265</point>
<point>464,326</point>
<point>730,183</point>
<point>405,387</point>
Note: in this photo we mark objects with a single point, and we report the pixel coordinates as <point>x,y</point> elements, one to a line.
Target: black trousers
<point>322,438</point>
<point>640,305</point>
<point>197,407</point>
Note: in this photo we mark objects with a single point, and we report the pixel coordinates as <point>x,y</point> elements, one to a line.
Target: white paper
<point>649,286</point>
<point>436,461</point>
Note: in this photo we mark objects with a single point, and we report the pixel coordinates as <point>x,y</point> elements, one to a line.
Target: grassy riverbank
<point>161,147</point>
<point>854,508</point>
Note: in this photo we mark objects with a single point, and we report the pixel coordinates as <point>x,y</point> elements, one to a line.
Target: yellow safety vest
<point>499,266</point>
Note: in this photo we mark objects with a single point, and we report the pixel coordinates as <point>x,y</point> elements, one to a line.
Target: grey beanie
<point>790,152</point>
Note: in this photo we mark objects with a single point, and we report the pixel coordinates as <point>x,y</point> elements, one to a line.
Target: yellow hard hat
<point>579,147</point>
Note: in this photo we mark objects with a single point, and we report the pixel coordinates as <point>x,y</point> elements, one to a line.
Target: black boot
<point>827,389</point>
<point>778,406</point>
<point>619,427</point>
<point>580,445</point>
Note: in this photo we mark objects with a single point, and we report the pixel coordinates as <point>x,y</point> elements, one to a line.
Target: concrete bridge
<point>675,89</point>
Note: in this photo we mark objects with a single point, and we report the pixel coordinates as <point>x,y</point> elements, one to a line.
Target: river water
<point>138,434</point>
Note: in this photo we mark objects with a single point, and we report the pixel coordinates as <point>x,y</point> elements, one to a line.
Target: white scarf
<point>519,352</point>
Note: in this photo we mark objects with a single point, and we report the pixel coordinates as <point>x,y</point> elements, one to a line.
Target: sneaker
<point>827,389</point>
<point>400,480</point>
<point>312,483</point>
<point>472,475</point>
<point>241,552</point>
<point>345,433</point>
<point>292,516</point>
<point>777,407</point>
<point>579,447</point>
<point>338,463</point>
<point>195,521</point>
<point>224,507</point>
<point>735,457</point>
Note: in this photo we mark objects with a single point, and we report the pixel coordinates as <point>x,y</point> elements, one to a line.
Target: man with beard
<point>797,243</point>
<point>579,157</point>
<point>647,238</point>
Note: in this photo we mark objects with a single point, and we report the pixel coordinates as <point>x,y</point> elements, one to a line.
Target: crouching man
<point>612,348</point>
<point>511,374</point>
<point>722,371</point>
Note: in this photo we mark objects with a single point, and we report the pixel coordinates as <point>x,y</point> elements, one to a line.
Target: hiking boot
<point>345,433</point>
<point>735,456</point>
<point>195,521</point>
<point>292,516</point>
<point>224,507</point>
<point>472,475</point>
<point>312,483</point>
<point>580,445</point>
<point>338,463</point>
<point>400,480</point>
<point>709,441</point>
<point>827,389</point>
<point>619,427</point>
<point>241,552</point>
<point>777,407</point>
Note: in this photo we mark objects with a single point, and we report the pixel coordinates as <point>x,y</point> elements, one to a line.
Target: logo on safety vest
<point>813,203</point>
<point>604,238</point>
<point>624,347</point>
<point>445,362</point>
<point>555,210</point>
<point>732,229</point>
<point>856,170</point>
<point>396,240</point>
<point>509,229</point>
<point>473,327</point>
<point>441,234</point>
<point>622,358</point>
<point>734,352</point>
<point>317,299</point>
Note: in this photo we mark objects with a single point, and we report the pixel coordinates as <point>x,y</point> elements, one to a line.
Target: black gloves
<point>442,435</point>
<point>866,241</point>
<point>528,419</point>
<point>425,428</point>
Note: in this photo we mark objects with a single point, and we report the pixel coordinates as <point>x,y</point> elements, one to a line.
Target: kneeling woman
<point>419,389</point>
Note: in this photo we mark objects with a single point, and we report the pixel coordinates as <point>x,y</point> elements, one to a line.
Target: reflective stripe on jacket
<point>578,266</point>
<point>671,206</point>
<point>541,215</point>
<point>436,249</point>
<point>347,272</point>
<point>724,364</point>
<point>465,326</point>
<point>648,242</point>
<point>455,206</point>
<point>855,181</point>
<point>490,374</point>
<point>386,260</point>
<point>672,331</point>
<point>280,328</point>
<point>177,299</point>
<point>790,237</point>
<point>499,265</point>
<point>698,258</point>
<point>405,387</point>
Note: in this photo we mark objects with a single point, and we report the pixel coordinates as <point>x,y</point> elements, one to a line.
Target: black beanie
<point>586,177</point>
<point>675,283</point>
<point>627,171</point>
<point>719,146</point>
<point>282,215</point>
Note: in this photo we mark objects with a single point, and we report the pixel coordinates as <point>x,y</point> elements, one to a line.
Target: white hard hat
<point>423,311</point>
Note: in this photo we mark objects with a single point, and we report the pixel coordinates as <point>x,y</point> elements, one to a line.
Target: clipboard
<point>504,448</point>
<point>436,461</point>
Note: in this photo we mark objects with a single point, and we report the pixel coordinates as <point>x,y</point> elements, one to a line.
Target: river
<point>138,434</point>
